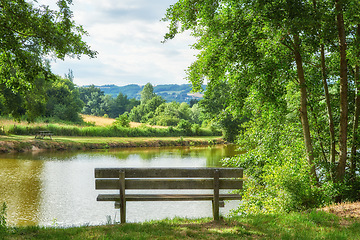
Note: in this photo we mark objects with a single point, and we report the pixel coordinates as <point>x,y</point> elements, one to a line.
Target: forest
<point>282,82</point>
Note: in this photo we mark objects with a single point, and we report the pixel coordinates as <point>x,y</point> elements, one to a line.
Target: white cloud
<point>128,34</point>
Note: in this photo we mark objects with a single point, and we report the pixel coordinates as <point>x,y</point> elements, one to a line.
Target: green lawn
<point>20,143</point>
<point>308,225</point>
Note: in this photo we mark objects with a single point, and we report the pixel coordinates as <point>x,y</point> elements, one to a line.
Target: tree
<point>63,101</point>
<point>29,34</point>
<point>147,93</point>
<point>121,104</point>
<point>94,100</point>
<point>266,50</point>
<point>215,104</point>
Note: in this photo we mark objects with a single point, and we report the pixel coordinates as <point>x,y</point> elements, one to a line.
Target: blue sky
<point>127,35</point>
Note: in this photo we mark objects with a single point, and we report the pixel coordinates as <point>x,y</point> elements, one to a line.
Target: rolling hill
<point>170,92</point>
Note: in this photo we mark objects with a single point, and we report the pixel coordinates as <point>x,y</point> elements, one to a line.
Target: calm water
<point>57,188</point>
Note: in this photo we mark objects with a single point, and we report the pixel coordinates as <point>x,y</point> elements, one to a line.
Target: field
<point>103,122</point>
<point>97,121</point>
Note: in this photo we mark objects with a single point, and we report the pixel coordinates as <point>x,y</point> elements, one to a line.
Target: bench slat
<point>169,183</point>
<point>167,197</point>
<point>168,172</point>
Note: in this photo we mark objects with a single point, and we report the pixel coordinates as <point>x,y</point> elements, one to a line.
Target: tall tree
<point>29,33</point>
<point>261,48</point>
<point>147,93</point>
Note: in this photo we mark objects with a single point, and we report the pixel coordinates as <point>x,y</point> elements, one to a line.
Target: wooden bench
<point>123,179</point>
<point>42,134</point>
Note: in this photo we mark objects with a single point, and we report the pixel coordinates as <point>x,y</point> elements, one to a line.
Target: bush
<point>277,173</point>
<point>122,121</point>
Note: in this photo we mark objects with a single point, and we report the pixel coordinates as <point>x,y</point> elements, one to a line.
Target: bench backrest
<point>169,178</point>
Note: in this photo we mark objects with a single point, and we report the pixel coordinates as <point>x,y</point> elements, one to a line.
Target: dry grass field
<point>102,121</point>
<point>98,121</point>
<point>7,123</point>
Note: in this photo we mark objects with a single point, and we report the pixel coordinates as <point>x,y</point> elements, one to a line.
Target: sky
<point>127,35</point>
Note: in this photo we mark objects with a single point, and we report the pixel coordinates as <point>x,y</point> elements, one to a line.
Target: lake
<point>57,188</point>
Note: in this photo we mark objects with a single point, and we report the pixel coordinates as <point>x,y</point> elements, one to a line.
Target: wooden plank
<point>121,183</point>
<point>169,184</point>
<point>168,172</point>
<point>215,202</point>
<point>117,204</point>
<point>167,197</point>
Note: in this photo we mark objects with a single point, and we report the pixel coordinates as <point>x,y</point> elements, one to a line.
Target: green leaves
<point>28,35</point>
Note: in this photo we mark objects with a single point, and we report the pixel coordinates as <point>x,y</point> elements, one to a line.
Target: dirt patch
<point>345,210</point>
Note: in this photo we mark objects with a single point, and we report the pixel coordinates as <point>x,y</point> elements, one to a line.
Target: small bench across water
<point>123,179</point>
<point>42,134</point>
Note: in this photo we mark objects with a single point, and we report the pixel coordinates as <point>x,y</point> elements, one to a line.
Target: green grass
<point>106,131</point>
<point>306,225</point>
<point>103,139</point>
<point>20,143</point>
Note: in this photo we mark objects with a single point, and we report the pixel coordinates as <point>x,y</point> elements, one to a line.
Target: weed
<point>3,226</point>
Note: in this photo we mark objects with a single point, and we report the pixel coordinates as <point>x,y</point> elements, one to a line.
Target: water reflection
<point>41,188</point>
<point>20,188</point>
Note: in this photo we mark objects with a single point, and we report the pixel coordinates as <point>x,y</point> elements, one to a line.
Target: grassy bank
<point>306,225</point>
<point>20,143</point>
<point>101,127</point>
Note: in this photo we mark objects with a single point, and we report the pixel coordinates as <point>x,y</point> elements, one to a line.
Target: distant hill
<point>170,92</point>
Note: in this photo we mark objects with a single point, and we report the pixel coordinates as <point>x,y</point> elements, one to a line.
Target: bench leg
<point>215,202</point>
<point>122,197</point>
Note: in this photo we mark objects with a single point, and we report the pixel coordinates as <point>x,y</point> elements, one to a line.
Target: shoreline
<point>16,143</point>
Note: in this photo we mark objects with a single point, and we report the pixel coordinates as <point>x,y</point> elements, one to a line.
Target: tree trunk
<point>356,114</point>
<point>343,93</point>
<point>303,107</point>
<point>328,106</point>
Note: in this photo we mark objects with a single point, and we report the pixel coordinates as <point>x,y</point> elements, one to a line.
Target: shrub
<point>122,121</point>
<point>277,173</point>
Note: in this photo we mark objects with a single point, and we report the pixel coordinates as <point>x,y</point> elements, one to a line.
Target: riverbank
<point>316,224</point>
<point>19,143</point>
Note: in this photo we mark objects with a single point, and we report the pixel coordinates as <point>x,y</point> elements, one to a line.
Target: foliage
<point>184,125</point>
<point>293,72</point>
<point>99,104</point>
<point>122,121</point>
<point>147,93</point>
<point>111,131</point>
<point>29,34</point>
<point>277,170</point>
<point>94,101</point>
<point>143,112</point>
<point>215,104</point>
<point>155,111</point>
<point>63,101</point>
